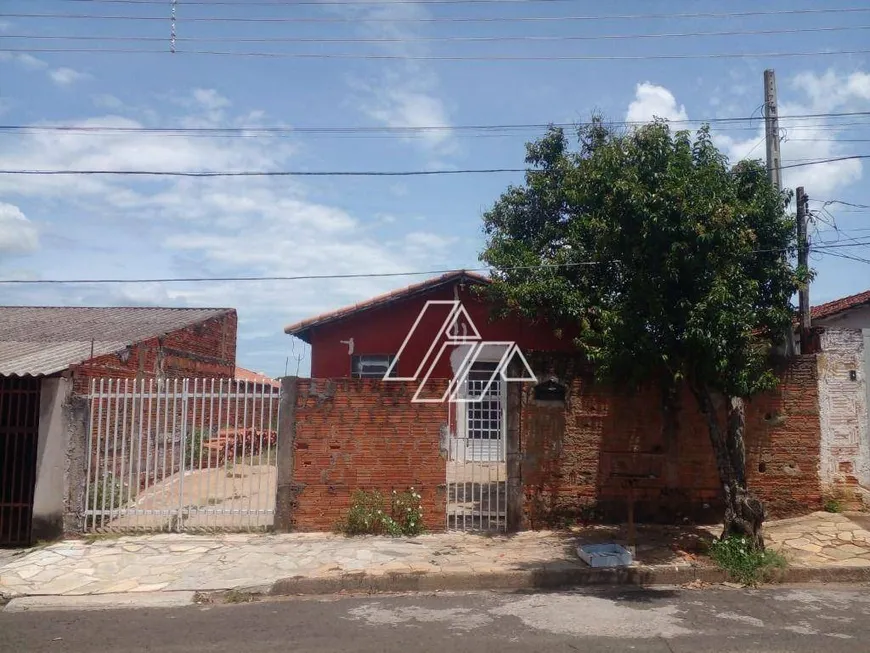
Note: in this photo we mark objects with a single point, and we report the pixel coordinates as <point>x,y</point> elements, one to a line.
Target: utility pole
<point>771,129</point>
<point>803,265</point>
<point>774,161</point>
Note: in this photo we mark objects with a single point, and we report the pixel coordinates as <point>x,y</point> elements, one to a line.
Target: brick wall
<point>576,455</point>
<point>204,350</point>
<point>365,434</point>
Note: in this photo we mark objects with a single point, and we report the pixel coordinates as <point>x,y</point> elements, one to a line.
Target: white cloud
<point>107,101</point>
<point>66,76</point>
<point>651,101</point>
<point>805,140</point>
<point>210,99</point>
<point>405,94</point>
<point>30,61</point>
<point>17,234</point>
<point>203,227</point>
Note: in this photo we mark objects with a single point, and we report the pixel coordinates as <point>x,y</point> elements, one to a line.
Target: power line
<point>292,3</point>
<point>831,160</point>
<point>264,173</point>
<point>446,19</point>
<point>402,131</point>
<point>841,202</point>
<point>362,275</point>
<point>846,256</point>
<point>325,173</point>
<point>448,39</point>
<point>400,57</point>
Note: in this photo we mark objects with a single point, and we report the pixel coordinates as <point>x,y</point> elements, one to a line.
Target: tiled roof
<point>40,340</point>
<point>839,305</point>
<point>300,329</point>
<point>247,376</point>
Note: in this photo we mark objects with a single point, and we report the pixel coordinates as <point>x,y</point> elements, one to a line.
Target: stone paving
<point>820,539</point>
<point>177,562</point>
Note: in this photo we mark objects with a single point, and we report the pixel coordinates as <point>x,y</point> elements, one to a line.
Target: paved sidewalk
<point>310,563</point>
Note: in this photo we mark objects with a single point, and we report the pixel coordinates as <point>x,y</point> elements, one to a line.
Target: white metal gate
<point>181,455</point>
<point>476,467</point>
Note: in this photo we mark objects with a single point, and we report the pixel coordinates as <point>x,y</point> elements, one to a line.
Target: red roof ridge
<point>299,328</point>
<point>839,305</point>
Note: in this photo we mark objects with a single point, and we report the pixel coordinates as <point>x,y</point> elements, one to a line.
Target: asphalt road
<point>795,620</point>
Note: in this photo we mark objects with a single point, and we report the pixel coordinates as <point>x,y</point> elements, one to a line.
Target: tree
<point>673,266</point>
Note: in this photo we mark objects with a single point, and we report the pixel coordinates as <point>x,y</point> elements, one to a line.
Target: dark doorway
<point>19,431</point>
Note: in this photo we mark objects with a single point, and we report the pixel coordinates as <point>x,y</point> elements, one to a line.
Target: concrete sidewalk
<point>820,546</point>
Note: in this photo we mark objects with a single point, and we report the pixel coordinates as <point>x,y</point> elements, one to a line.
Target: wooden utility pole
<point>803,265</point>
<point>771,129</point>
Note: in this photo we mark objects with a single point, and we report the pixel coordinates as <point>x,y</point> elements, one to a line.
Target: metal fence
<point>476,467</point>
<point>181,455</point>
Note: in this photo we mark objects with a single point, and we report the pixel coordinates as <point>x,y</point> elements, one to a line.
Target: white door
<point>485,420</point>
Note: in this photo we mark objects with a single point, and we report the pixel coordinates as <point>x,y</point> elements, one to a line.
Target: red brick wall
<point>203,350</point>
<point>365,434</point>
<point>570,452</point>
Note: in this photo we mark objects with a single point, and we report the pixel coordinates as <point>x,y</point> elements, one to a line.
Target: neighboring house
<point>49,353</point>
<point>841,330</point>
<point>516,454</point>
<point>254,381</point>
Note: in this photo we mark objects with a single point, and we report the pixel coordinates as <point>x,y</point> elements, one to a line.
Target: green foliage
<point>743,563</point>
<point>833,504</point>
<point>368,514</point>
<point>110,492</point>
<point>193,448</point>
<point>668,263</point>
<point>407,512</point>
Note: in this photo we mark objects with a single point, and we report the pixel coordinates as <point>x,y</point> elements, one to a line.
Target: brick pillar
<point>514,458</point>
<point>76,420</point>
<point>287,493</point>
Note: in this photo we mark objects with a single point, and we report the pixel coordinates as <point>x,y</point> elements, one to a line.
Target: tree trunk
<point>744,512</point>
<point>670,426</point>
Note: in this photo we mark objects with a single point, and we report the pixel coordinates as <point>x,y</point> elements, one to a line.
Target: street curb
<point>547,578</point>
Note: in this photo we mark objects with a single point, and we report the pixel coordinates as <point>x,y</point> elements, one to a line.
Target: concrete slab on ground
<point>100,602</point>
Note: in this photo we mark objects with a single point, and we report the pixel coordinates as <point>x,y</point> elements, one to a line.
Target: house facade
<point>48,355</point>
<point>490,445</point>
<point>841,331</point>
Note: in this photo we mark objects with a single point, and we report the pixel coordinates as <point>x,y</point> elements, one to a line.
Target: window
<point>371,366</point>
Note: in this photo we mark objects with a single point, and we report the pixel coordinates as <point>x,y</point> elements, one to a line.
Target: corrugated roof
<point>840,305</point>
<point>300,329</point>
<point>40,340</point>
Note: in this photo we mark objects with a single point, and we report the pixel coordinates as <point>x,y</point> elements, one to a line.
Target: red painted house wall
<point>382,330</point>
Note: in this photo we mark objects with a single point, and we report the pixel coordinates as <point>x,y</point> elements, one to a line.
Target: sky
<point>122,227</point>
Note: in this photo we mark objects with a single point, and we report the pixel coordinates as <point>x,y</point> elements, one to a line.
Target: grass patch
<point>239,596</point>
<point>93,538</point>
<point>745,565</point>
<point>833,505</point>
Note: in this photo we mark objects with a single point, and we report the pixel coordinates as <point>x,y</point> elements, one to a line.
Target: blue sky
<point>113,227</point>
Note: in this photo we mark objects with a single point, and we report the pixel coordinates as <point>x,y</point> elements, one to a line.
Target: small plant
<point>407,512</point>
<point>108,493</point>
<point>369,515</point>
<point>193,449</point>
<point>744,564</point>
<point>239,596</point>
<point>833,505</point>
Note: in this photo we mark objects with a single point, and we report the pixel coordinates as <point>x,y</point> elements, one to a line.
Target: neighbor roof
<point>301,329</point>
<point>40,340</point>
<point>248,376</point>
<point>840,305</point>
